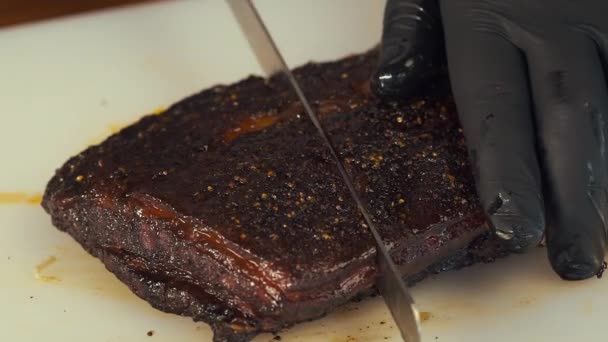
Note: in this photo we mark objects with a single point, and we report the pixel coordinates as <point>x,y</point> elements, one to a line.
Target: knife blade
<point>390,284</point>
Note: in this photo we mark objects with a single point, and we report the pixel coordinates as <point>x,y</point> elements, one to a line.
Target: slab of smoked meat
<point>228,208</point>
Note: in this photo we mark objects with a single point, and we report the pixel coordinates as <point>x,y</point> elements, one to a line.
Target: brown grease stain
<point>425,316</point>
<point>158,111</point>
<point>251,124</point>
<point>46,263</point>
<point>20,198</point>
<point>117,127</point>
<point>114,128</point>
<point>526,301</point>
<point>75,269</point>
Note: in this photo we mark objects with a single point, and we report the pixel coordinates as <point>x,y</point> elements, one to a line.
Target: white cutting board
<point>68,83</point>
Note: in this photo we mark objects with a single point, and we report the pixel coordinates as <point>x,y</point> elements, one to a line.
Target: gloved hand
<point>529,80</point>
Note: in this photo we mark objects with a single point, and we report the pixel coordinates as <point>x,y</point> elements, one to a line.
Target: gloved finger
<point>598,35</point>
<point>489,81</point>
<point>410,49</point>
<point>571,100</point>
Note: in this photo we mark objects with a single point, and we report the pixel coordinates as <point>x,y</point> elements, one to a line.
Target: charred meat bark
<point>228,208</point>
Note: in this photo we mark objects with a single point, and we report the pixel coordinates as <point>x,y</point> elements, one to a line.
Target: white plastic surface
<point>66,84</point>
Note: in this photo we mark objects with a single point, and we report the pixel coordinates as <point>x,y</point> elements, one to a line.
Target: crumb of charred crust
<point>150,333</point>
<point>600,272</point>
<point>277,338</point>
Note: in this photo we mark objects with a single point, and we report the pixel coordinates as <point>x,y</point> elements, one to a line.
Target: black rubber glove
<point>408,56</point>
<point>530,85</point>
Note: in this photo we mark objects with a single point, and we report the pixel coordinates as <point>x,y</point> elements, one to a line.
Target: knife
<point>390,284</point>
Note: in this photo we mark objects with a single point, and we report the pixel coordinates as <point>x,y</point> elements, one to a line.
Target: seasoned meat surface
<point>228,208</point>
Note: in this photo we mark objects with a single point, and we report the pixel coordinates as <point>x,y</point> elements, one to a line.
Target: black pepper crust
<point>228,208</point>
